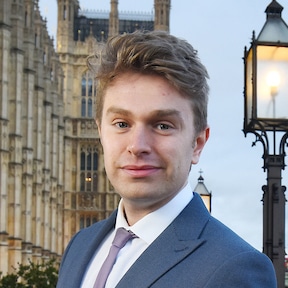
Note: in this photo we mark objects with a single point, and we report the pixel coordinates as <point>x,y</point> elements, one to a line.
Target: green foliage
<point>33,275</point>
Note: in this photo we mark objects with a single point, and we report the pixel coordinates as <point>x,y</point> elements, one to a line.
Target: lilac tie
<point>121,238</point>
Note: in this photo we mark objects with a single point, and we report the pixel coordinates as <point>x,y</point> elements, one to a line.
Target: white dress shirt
<point>147,229</point>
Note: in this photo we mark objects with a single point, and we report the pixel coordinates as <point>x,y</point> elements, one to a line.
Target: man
<point>152,121</point>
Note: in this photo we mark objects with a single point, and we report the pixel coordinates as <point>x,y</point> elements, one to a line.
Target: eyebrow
<point>167,112</point>
<point>155,113</point>
<point>116,110</point>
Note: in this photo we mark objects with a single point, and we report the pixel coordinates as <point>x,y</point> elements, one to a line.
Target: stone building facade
<point>52,177</point>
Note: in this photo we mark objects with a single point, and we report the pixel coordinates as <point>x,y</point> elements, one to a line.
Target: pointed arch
<point>88,92</point>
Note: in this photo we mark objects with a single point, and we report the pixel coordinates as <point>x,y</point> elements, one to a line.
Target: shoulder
<point>237,263</point>
<point>244,269</point>
<point>198,220</point>
<point>223,254</point>
<point>223,243</point>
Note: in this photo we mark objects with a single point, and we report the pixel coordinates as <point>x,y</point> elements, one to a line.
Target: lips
<point>140,171</point>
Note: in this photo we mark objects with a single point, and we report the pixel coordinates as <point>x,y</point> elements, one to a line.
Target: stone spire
<point>65,34</point>
<point>162,14</point>
<point>113,19</point>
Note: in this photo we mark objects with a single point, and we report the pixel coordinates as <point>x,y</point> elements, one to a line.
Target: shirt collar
<point>161,218</point>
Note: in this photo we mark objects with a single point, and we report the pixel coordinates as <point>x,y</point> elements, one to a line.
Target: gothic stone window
<point>88,169</point>
<point>88,94</point>
<point>87,220</point>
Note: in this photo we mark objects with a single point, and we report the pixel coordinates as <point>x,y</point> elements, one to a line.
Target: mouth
<point>140,171</point>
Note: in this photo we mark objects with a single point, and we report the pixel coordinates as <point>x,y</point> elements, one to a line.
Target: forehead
<point>144,91</point>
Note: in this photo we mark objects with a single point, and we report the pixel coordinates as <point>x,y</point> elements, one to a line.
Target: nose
<point>139,141</point>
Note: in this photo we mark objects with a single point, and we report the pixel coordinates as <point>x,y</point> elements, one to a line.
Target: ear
<point>200,142</point>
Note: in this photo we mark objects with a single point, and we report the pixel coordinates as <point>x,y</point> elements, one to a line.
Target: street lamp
<point>266,116</point>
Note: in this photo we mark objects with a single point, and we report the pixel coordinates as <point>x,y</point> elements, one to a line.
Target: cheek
<point>111,150</point>
<point>180,155</point>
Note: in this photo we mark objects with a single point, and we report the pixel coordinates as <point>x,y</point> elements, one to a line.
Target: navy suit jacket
<point>195,250</point>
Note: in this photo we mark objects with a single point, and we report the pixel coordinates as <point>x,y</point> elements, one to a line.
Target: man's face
<point>148,139</point>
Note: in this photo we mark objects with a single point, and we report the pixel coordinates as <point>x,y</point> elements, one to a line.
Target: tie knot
<point>122,237</point>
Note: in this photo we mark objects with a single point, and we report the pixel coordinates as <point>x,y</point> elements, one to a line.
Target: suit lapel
<point>180,239</point>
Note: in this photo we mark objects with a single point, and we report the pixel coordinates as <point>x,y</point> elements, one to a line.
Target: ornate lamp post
<point>266,116</point>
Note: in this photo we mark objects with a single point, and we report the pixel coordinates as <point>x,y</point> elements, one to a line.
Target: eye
<point>121,125</point>
<point>163,126</point>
